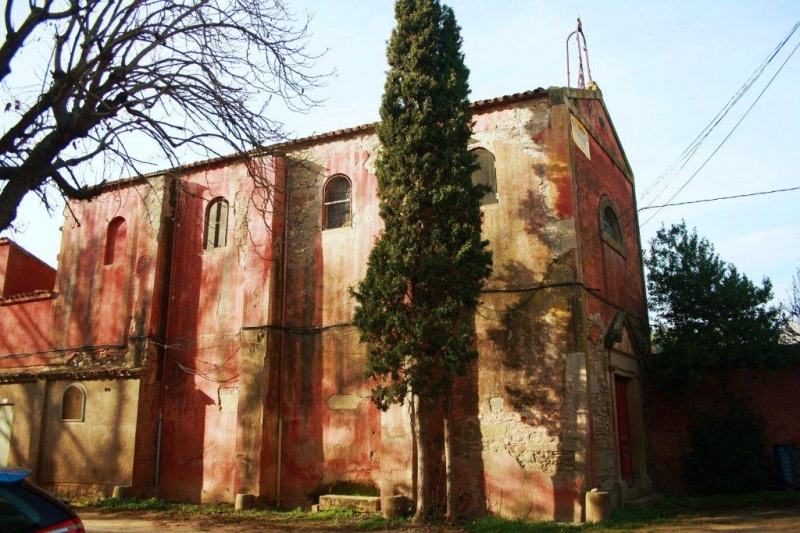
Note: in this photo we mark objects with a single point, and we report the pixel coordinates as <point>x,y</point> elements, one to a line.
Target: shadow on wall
<point>183,435</point>
<point>540,437</point>
<point>102,442</point>
<point>467,448</point>
<point>300,403</point>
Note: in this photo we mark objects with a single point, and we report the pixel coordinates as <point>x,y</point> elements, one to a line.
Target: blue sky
<point>665,69</point>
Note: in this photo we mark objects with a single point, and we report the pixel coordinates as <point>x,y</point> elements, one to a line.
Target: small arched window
<point>216,227</point>
<point>73,404</point>
<point>337,203</point>
<point>115,241</point>
<point>610,228</point>
<point>485,175</point>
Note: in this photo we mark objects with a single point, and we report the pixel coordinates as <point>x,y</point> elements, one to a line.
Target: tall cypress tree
<point>427,268</point>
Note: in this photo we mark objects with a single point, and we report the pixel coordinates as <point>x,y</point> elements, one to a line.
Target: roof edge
<point>555,93</point>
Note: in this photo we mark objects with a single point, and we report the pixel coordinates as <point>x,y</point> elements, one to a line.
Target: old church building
<point>196,341</point>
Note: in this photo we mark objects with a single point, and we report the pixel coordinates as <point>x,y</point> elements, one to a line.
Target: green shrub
<point>727,450</point>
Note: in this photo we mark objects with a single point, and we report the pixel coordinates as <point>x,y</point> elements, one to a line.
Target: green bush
<point>726,452</point>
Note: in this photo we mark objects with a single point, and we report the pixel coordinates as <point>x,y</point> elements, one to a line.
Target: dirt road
<point>756,519</point>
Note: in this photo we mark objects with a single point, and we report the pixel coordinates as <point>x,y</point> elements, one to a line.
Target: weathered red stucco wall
<point>521,437</point>
<point>117,294</point>
<point>22,272</point>
<point>202,361</point>
<point>773,393</point>
<point>243,360</point>
<point>25,332</point>
<point>612,275</point>
<point>94,331</point>
<point>25,315</point>
<point>330,432</point>
<point>617,275</point>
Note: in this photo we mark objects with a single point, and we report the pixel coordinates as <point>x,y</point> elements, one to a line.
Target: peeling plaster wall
<point>525,418</point>
<point>93,455</point>
<point>615,275</point>
<point>83,328</point>
<point>331,431</point>
<point>214,293</point>
<point>262,382</point>
<point>118,296</point>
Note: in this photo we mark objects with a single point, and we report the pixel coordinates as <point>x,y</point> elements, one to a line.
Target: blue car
<point>25,508</point>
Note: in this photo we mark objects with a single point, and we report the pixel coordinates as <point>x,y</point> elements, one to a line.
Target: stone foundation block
<point>360,504</point>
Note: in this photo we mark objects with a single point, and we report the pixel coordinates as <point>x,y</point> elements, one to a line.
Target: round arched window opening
<point>216,227</point>
<point>73,404</point>
<point>485,175</point>
<point>337,203</point>
<point>610,228</point>
<point>116,238</point>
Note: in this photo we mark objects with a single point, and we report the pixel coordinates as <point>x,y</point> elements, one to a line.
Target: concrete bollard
<point>393,507</point>
<point>244,502</point>
<point>598,506</point>
<point>121,492</point>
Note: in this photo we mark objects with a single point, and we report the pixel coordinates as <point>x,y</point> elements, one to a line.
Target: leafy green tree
<point>707,317</point>
<point>427,268</point>
<point>793,310</point>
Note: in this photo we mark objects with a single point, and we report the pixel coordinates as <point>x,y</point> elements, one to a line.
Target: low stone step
<point>360,504</point>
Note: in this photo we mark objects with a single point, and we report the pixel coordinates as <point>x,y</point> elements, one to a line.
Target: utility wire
<point>690,150</point>
<point>719,198</point>
<point>728,136</point>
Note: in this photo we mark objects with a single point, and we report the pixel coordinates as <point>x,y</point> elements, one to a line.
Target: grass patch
<point>335,519</point>
<point>665,511</point>
<point>495,524</point>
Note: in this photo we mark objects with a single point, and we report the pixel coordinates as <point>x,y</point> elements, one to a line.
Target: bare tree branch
<point>185,78</point>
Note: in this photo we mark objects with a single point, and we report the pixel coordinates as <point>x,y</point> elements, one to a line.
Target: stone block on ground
<point>360,504</point>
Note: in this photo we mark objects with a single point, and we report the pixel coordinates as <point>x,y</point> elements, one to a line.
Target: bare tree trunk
<point>450,471</point>
<point>423,500</point>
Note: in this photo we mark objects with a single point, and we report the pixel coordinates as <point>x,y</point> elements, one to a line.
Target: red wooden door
<point>623,429</point>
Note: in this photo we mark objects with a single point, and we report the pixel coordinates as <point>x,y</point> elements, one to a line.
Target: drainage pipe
<point>173,205</point>
<point>282,352</point>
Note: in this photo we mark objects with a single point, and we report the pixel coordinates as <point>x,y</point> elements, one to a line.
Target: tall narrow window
<point>485,175</point>
<point>337,203</point>
<point>610,228</point>
<point>115,241</point>
<point>216,229</point>
<point>73,404</point>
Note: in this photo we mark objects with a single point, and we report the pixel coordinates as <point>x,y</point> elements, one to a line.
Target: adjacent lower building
<point>196,341</point>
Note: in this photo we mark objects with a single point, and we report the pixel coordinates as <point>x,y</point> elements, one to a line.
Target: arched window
<point>73,404</point>
<point>485,175</point>
<point>337,203</point>
<point>610,228</point>
<point>216,228</point>
<point>115,241</point>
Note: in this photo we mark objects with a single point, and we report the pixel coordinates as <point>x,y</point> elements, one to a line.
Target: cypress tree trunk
<point>421,434</point>
<point>450,471</point>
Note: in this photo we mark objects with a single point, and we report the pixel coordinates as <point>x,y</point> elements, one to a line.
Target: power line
<point>690,150</point>
<point>720,198</point>
<point>696,172</point>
